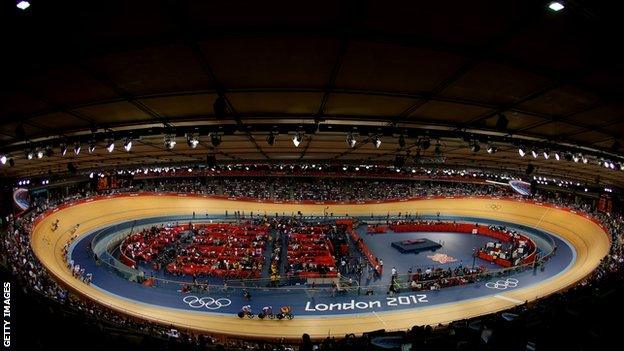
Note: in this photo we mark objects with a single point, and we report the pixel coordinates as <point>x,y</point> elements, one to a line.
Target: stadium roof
<point>506,73</point>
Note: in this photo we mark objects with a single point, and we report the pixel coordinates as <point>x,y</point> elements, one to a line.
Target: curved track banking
<point>589,240</point>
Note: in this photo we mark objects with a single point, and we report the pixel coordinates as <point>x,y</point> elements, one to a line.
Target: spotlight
<point>23,5</point>
<point>91,175</point>
<point>63,149</point>
<point>534,153</point>
<point>376,142</point>
<point>437,151</point>
<point>215,139</point>
<point>3,159</point>
<point>127,144</point>
<point>110,146</point>
<point>425,144</point>
<point>270,139</point>
<point>192,141</point>
<point>584,159</point>
<point>401,141</point>
<point>39,153</point>
<point>351,140</point>
<point>546,154</point>
<point>169,142</point>
<point>297,139</point>
<point>91,146</point>
<point>556,6</point>
<point>557,156</point>
<point>521,152</point>
<point>77,148</point>
<point>576,157</point>
<point>30,154</point>
<point>491,149</point>
<point>475,147</point>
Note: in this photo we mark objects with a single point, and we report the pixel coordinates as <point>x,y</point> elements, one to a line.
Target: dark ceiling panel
<point>184,105</point>
<point>387,67</point>
<point>447,112</point>
<point>278,103</point>
<point>517,121</point>
<point>114,113</point>
<point>356,104</point>
<point>271,62</point>
<point>67,86</point>
<point>440,21</point>
<point>16,103</point>
<point>495,83</point>
<point>561,102</point>
<point>153,70</point>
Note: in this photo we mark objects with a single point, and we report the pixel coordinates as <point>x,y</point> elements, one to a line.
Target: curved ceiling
<point>118,66</point>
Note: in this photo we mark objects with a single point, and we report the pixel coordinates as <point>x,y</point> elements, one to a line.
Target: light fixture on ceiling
<point>127,144</point>
<point>351,140</point>
<point>77,148</point>
<point>438,149</point>
<point>110,146</point>
<point>192,141</point>
<point>546,154</point>
<point>475,146</point>
<point>63,149</point>
<point>215,139</point>
<point>170,142</point>
<point>576,157</point>
<point>557,155</point>
<point>556,6</point>
<point>23,5</point>
<point>3,159</point>
<point>376,141</point>
<point>521,151</point>
<point>584,159</point>
<point>534,153</point>
<point>48,151</point>
<point>91,148</point>
<point>39,153</point>
<point>426,143</point>
<point>270,139</point>
<point>491,149</point>
<point>297,139</point>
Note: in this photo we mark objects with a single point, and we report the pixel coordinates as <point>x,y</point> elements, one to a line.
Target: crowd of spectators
<point>23,265</point>
<point>318,189</point>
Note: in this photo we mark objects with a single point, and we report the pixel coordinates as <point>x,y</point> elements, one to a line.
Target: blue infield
<point>456,250</point>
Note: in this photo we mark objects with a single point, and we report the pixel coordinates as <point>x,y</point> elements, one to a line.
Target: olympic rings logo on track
<point>495,207</point>
<point>503,284</point>
<point>208,302</point>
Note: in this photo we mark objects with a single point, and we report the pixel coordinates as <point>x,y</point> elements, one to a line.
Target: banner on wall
<point>21,199</point>
<point>522,188</point>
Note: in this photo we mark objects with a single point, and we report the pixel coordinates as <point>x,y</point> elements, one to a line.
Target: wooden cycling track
<point>588,238</point>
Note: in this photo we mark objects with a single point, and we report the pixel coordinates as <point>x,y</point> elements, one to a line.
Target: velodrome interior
<point>312,175</point>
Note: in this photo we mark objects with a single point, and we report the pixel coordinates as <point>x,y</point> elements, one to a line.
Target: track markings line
<point>379,318</point>
<point>543,215</point>
<point>511,299</point>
